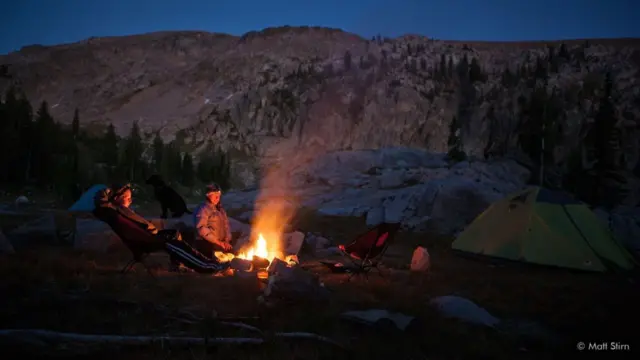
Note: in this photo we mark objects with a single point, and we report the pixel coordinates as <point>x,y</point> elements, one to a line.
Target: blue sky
<point>26,22</point>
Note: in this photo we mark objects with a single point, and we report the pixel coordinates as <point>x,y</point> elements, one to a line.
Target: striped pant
<point>181,252</point>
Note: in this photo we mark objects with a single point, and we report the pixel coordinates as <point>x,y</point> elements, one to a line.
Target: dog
<point>169,199</point>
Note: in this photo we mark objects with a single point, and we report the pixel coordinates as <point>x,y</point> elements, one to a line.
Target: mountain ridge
<point>302,90</point>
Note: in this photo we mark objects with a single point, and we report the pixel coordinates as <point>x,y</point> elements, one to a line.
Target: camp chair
<point>139,241</point>
<point>366,251</point>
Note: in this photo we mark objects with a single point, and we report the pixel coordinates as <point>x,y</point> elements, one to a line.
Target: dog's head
<point>155,180</point>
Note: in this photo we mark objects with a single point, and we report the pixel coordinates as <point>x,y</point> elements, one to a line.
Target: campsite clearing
<point>63,290</point>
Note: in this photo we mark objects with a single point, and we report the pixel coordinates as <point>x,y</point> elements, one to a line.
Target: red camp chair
<point>367,250</point>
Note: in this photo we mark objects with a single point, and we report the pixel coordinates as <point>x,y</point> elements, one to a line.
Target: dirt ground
<point>65,290</point>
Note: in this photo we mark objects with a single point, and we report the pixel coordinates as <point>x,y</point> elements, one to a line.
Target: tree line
<point>595,170</point>
<point>40,152</point>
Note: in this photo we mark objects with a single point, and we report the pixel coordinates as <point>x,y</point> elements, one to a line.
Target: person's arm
<point>202,226</point>
<point>227,237</point>
<point>133,216</point>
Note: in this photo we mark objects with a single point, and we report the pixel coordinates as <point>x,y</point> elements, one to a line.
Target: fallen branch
<point>305,335</point>
<point>120,339</point>
<point>36,335</point>
<point>240,325</point>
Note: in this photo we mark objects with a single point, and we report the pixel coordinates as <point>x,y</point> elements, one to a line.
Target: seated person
<point>119,198</point>
<point>212,223</point>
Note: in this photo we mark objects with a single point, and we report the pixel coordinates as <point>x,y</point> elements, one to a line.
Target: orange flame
<point>261,249</point>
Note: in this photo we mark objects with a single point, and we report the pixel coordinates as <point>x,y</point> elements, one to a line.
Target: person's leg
<point>192,258</point>
<point>169,235</point>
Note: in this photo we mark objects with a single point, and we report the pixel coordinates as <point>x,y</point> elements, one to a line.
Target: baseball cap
<point>212,188</point>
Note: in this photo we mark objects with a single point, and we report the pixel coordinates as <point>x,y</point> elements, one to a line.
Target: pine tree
<point>224,169</point>
<point>172,160</point>
<point>507,78</point>
<point>9,134</point>
<point>347,60</point>
<point>475,72</point>
<point>110,148</point>
<point>132,156</point>
<point>463,69</point>
<point>552,58</point>
<point>75,125</point>
<point>456,153</point>
<point>75,148</point>
<point>44,145</point>
<point>23,151</point>
<point>563,52</point>
<point>188,175</point>
<point>604,140</point>
<point>541,69</point>
<point>158,156</point>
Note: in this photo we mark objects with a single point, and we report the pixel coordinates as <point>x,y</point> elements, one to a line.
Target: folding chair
<point>367,250</point>
<point>139,241</point>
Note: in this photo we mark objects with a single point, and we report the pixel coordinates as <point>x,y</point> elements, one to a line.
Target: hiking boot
<point>179,268</point>
<point>226,272</point>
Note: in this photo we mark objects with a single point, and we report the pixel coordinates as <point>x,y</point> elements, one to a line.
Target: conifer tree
<point>132,155</point>
<point>188,175</point>
<point>110,149</point>
<point>43,146</point>
<point>455,153</point>
<point>158,156</point>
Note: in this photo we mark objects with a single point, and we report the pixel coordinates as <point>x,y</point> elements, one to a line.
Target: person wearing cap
<point>120,198</point>
<point>211,221</point>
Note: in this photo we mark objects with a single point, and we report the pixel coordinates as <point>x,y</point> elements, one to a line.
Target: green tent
<point>544,227</point>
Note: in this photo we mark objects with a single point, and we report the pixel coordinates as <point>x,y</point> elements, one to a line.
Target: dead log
<point>37,336</point>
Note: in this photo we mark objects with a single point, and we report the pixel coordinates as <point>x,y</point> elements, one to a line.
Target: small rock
<point>377,316</point>
<point>465,310</point>
<point>277,266</point>
<point>21,200</point>
<point>5,245</point>
<point>421,260</point>
<point>321,243</point>
<point>328,252</point>
<point>293,243</point>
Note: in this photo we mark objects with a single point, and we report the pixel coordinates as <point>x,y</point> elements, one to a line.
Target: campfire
<point>261,249</point>
<point>267,247</point>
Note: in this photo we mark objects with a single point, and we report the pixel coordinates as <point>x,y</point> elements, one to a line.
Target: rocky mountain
<point>288,93</point>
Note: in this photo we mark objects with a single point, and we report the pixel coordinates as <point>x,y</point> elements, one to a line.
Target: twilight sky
<point>48,22</point>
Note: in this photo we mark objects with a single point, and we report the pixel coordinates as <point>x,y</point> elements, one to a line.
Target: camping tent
<point>85,203</point>
<point>544,227</point>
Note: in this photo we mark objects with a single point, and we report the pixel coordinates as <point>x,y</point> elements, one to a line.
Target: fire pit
<point>261,257</point>
<point>261,250</point>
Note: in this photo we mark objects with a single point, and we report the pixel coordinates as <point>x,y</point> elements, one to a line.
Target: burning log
<point>241,264</point>
<point>277,266</point>
<point>260,262</point>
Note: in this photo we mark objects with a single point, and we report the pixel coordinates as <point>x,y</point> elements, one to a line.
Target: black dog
<point>169,199</point>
